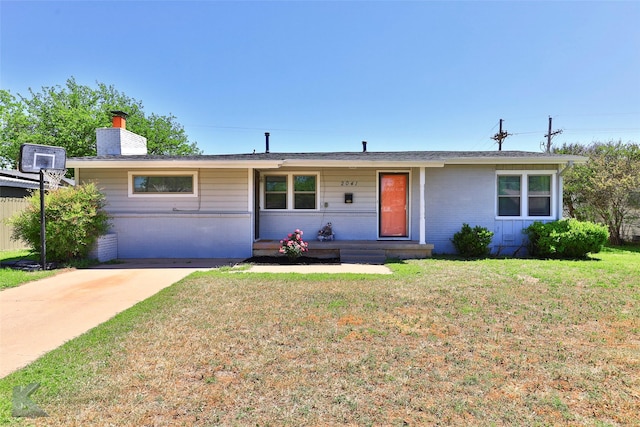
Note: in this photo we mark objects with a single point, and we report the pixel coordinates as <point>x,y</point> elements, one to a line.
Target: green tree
<point>15,127</point>
<point>67,116</point>
<point>606,189</point>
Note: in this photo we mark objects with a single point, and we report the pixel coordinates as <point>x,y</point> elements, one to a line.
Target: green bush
<point>472,242</point>
<point>74,218</point>
<point>566,238</point>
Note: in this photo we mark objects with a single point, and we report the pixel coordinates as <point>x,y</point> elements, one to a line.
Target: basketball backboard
<point>34,157</point>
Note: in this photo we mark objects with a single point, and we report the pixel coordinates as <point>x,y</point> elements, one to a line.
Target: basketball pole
<point>43,230</point>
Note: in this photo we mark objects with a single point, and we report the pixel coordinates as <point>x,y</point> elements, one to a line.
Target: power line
<point>550,135</point>
<point>500,136</point>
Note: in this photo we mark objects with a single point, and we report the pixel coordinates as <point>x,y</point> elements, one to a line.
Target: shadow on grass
<point>28,257</point>
<point>447,257</point>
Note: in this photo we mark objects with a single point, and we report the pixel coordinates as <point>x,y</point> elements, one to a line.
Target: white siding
<point>351,221</point>
<point>467,194</point>
<point>183,235</point>
<point>216,224</point>
<point>219,190</point>
<point>457,195</point>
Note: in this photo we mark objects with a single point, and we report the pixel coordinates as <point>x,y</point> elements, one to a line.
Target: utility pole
<point>550,135</point>
<point>500,136</point>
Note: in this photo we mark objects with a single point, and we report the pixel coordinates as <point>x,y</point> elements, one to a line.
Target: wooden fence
<point>8,207</point>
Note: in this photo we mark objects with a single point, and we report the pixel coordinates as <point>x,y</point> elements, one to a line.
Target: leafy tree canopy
<point>607,188</point>
<point>67,116</point>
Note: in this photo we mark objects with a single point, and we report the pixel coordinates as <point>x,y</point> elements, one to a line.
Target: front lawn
<point>447,342</point>
<point>10,278</point>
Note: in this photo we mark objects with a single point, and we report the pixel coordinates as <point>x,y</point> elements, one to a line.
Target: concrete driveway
<point>40,316</point>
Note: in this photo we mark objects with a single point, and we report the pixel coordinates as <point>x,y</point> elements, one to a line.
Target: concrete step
<point>362,256</point>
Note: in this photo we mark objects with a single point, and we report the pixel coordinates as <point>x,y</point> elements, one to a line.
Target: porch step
<point>363,256</point>
<point>363,248</point>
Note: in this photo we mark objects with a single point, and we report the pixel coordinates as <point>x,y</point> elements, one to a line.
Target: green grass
<point>441,341</point>
<point>10,278</point>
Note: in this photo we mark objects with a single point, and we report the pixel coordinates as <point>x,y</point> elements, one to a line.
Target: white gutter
<point>173,164</point>
<point>236,164</point>
<point>515,160</point>
<point>362,163</point>
<point>568,166</point>
<point>309,163</point>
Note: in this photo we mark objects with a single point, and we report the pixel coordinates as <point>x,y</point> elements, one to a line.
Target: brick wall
<point>119,142</point>
<point>105,249</point>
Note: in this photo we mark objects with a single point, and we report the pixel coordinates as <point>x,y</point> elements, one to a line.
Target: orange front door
<point>393,204</point>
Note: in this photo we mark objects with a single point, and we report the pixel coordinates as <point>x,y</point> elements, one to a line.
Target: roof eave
<point>362,163</point>
<point>551,160</point>
<point>174,164</point>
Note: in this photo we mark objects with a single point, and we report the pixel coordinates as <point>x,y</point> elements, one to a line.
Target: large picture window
<point>525,194</point>
<point>169,184</point>
<point>291,191</point>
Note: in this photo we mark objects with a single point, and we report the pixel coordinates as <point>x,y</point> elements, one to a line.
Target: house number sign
<point>348,183</point>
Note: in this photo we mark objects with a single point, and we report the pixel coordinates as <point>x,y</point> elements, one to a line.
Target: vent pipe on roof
<point>266,141</point>
<point>119,119</point>
<point>364,146</point>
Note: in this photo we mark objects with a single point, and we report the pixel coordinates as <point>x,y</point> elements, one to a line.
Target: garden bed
<point>283,260</point>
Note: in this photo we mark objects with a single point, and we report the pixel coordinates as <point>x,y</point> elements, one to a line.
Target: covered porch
<point>354,251</point>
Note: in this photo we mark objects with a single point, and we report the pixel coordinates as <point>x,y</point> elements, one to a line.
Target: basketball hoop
<point>49,162</point>
<point>53,177</point>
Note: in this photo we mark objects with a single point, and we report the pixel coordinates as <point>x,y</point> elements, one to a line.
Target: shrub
<point>293,246</point>
<point>472,242</point>
<point>74,218</point>
<point>566,238</point>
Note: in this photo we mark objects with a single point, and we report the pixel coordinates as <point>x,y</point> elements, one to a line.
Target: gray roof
<point>15,178</point>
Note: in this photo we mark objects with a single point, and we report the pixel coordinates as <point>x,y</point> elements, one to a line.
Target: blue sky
<point>326,75</point>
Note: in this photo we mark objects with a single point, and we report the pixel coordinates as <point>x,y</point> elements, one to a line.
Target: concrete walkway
<point>40,316</point>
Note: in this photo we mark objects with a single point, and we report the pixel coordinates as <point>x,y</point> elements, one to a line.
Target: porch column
<point>250,204</point>
<point>423,224</point>
<point>560,198</point>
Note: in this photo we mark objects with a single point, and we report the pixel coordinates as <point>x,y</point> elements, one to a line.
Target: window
<point>291,191</point>
<point>526,194</point>
<point>539,191</point>
<point>509,195</point>
<point>304,192</point>
<point>168,184</point>
<point>275,195</point>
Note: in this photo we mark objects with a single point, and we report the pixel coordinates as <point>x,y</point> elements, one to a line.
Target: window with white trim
<point>509,195</point>
<point>525,194</point>
<point>293,191</point>
<point>275,192</point>
<point>163,184</point>
<point>304,191</point>
<point>539,194</point>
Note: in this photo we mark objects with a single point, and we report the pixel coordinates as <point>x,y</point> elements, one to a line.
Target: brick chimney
<point>119,119</point>
<point>117,140</point>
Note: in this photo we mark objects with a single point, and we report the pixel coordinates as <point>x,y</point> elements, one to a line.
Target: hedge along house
<point>391,204</point>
